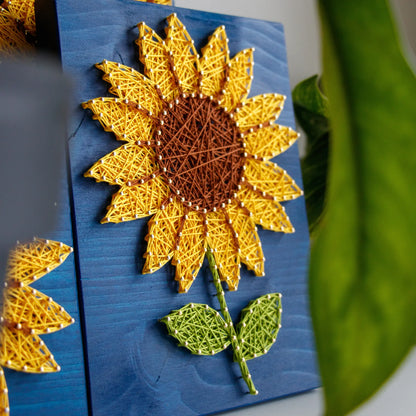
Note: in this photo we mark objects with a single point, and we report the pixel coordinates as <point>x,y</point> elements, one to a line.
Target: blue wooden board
<point>64,392</point>
<point>135,368</point>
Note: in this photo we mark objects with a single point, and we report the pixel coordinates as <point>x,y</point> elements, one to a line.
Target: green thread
<point>203,331</point>
<point>259,325</point>
<point>235,341</point>
<point>199,328</point>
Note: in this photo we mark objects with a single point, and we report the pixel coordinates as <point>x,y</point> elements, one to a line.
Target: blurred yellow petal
<point>29,262</point>
<point>161,239</point>
<point>215,57</point>
<point>12,40</point>
<point>259,111</point>
<point>4,394</point>
<point>224,244</point>
<point>24,11</point>
<point>165,2</point>
<point>271,180</point>
<point>238,85</point>
<point>126,164</point>
<point>23,351</point>
<point>138,201</point>
<point>34,311</point>
<point>156,60</point>
<point>131,85</point>
<point>190,251</point>
<point>266,212</point>
<point>270,141</point>
<point>184,55</point>
<point>251,253</point>
<point>125,121</point>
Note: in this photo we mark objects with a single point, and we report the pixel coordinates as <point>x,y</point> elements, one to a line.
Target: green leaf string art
<point>197,159</point>
<point>204,331</point>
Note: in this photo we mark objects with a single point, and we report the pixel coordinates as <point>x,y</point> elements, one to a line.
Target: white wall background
<point>301,23</point>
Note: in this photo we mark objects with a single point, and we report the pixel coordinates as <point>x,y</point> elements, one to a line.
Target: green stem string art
<point>203,331</point>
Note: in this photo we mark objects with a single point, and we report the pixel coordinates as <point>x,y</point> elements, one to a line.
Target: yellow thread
<point>268,213</point>
<point>166,2</point>
<point>270,141</point>
<point>251,253</point>
<point>122,120</point>
<point>155,58</point>
<point>240,75</point>
<point>182,228</point>
<point>259,110</point>
<point>184,56</point>
<point>215,57</point>
<point>139,201</point>
<point>12,39</point>
<point>190,250</point>
<point>269,178</point>
<point>126,164</point>
<point>161,238</point>
<point>27,313</point>
<point>225,248</point>
<point>24,11</point>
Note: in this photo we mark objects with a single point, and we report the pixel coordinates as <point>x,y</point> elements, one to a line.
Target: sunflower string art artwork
<point>17,26</point>
<point>196,158</point>
<point>27,313</point>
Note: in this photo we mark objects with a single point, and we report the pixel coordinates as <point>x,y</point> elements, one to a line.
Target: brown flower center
<point>200,152</point>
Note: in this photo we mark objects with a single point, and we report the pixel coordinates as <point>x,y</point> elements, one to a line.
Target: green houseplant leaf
<point>311,109</point>
<point>259,325</point>
<point>363,267</point>
<point>199,328</point>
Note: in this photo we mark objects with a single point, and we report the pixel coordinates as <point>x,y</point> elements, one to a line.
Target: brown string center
<point>200,152</point>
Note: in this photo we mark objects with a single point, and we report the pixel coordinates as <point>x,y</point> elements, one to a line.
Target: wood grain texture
<point>64,392</point>
<point>135,367</point>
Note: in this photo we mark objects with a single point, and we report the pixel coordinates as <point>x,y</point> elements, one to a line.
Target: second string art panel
<point>190,220</point>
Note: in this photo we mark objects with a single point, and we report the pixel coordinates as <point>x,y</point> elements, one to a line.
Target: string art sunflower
<point>28,313</point>
<point>196,155</point>
<point>17,25</point>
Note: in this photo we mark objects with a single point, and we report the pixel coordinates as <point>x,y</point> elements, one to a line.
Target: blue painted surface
<point>135,367</point>
<point>62,393</point>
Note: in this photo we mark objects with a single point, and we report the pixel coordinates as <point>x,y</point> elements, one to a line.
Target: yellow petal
<point>190,251</point>
<point>259,111</point>
<point>270,179</point>
<point>4,394</point>
<point>184,55</point>
<point>21,351</point>
<point>266,212</point>
<point>166,2</point>
<point>29,262</point>
<point>128,163</point>
<point>215,57</point>
<point>224,244</point>
<point>138,201</point>
<point>251,253</point>
<point>34,311</point>
<point>131,85</point>
<point>25,12</point>
<point>270,141</point>
<point>240,74</point>
<point>155,58</point>
<point>163,231</point>
<point>11,38</point>
<point>125,121</point>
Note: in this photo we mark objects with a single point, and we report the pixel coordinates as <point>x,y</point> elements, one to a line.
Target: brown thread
<point>200,152</point>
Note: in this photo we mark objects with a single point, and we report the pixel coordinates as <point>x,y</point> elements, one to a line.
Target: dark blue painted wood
<point>135,368</point>
<point>62,393</point>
